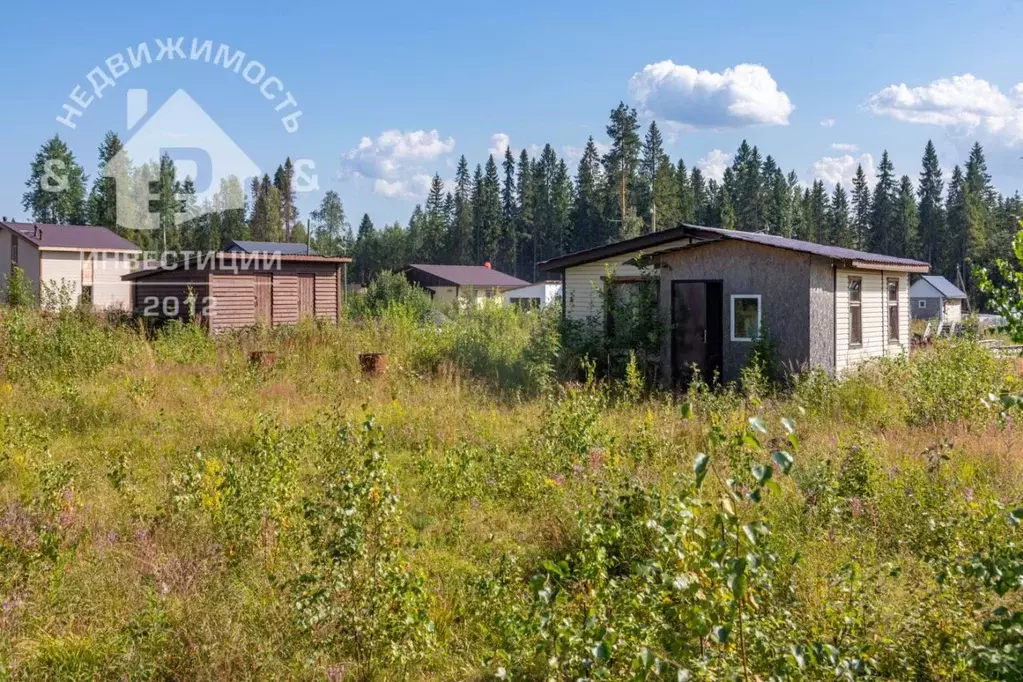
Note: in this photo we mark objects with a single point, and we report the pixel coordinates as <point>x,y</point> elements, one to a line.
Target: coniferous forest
<point>519,210</point>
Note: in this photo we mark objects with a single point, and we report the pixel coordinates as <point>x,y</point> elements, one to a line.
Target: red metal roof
<point>85,237</point>
<point>468,275</point>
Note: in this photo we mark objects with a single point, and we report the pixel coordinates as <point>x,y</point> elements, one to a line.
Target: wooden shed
<point>236,290</point>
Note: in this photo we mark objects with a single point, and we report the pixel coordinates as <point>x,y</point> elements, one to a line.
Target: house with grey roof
<point>932,297</point>
<point>283,248</point>
<point>717,290</point>
<point>69,263</point>
<point>449,283</point>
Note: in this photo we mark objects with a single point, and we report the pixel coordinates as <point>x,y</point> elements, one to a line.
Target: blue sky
<point>536,73</point>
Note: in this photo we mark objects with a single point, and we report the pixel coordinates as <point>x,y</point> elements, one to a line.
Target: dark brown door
<point>264,298</point>
<point>696,330</point>
<point>306,296</point>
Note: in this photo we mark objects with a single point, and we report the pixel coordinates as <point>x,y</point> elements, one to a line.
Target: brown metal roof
<point>85,237</point>
<point>214,261</point>
<point>466,275</point>
<point>655,239</point>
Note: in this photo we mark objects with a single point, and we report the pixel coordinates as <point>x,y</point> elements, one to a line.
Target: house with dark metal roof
<point>717,290</point>
<point>448,283</point>
<point>932,297</point>
<point>284,248</point>
<point>69,263</point>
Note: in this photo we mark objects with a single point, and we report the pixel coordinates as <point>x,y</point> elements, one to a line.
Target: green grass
<point>168,511</point>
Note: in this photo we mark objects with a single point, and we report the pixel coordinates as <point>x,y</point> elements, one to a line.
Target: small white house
<point>538,295</point>
<point>932,297</point>
<point>450,283</point>
<point>85,261</point>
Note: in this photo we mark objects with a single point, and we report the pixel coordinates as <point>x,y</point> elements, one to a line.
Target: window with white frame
<point>745,317</point>
<point>921,303</point>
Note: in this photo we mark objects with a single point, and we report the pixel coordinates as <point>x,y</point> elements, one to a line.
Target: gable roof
<point>71,237</point>
<point>944,287</point>
<point>285,248</point>
<point>695,233</point>
<point>467,275</point>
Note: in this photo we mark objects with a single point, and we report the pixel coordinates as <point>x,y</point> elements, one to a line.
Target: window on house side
<point>893,310</point>
<point>855,312</point>
<point>921,303</point>
<point>745,317</point>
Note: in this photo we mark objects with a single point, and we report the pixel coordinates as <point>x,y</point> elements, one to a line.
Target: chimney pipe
<point>487,265</point>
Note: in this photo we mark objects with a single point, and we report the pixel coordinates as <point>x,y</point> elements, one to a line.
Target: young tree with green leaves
<point>330,226</point>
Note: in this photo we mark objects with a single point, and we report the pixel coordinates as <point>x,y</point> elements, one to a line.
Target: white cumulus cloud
<point>394,160</point>
<point>828,123</point>
<point>834,169</point>
<point>713,165</point>
<point>965,104</point>
<point>742,95</point>
<point>499,143</point>
<point>843,147</point>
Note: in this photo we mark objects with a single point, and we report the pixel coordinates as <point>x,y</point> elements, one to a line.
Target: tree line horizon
<point>528,210</point>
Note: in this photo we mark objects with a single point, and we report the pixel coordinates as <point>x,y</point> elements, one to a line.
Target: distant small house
<point>85,262</point>
<point>285,248</point>
<point>932,297</point>
<point>447,283</point>
<point>233,290</point>
<point>823,306</point>
<point>538,295</point>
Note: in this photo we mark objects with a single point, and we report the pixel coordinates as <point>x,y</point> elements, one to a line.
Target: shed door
<point>306,296</point>
<point>696,337</point>
<point>263,286</point>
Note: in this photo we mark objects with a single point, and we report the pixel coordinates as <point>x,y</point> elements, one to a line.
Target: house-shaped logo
<point>199,149</point>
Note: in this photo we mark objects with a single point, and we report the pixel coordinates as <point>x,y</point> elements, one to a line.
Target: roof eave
<point>858,264</point>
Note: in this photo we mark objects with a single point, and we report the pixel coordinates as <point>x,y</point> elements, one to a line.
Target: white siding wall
<point>108,289</point>
<point>874,304</point>
<point>584,283</point>
<point>62,268</point>
<point>953,310</point>
<point>547,293</point>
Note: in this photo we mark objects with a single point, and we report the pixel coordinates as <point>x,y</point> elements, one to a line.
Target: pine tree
<point>686,201</point>
<point>620,166</point>
<point>932,214</point>
<point>861,209</point>
<point>839,228</point>
<point>56,186</point>
<point>905,237</point>
<point>882,209</point>
<point>102,203</point>
<point>284,180</point>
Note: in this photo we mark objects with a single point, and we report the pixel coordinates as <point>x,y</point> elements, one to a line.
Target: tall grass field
<point>495,506</point>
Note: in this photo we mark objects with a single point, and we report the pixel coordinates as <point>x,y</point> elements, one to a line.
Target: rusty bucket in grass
<point>373,364</point>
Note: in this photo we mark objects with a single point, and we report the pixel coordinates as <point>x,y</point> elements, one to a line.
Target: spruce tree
<point>954,251</point>
<point>666,211</point>
<point>586,214</point>
<point>561,212</point>
<point>459,247</point>
<point>477,216</point>
<point>701,197</point>
<point>882,209</point>
<point>932,213</point>
<point>905,237</point>
<point>819,227</point>
<point>508,257</point>
<point>524,192</point>
<point>724,209</point>
<point>861,209</point>
<point>56,186</point>
<point>839,228</point>
<point>490,213</point>
<point>653,150</point>
<point>434,228</point>
<point>685,194</point>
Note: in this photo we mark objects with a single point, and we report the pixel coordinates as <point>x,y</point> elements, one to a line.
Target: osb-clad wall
<point>784,282</point>
<point>165,294</point>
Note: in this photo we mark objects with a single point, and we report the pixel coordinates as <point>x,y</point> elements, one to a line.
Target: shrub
<point>391,289</point>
